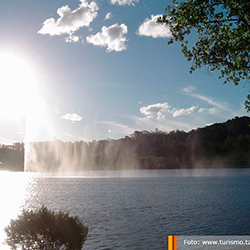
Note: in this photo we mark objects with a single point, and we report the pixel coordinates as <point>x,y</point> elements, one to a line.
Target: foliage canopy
<point>223,30</point>
<point>46,230</point>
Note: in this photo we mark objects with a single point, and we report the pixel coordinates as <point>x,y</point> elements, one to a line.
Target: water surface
<point>137,209</point>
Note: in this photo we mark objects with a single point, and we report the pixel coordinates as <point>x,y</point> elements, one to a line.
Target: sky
<point>92,70</point>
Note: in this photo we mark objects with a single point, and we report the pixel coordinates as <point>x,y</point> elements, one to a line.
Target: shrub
<point>45,229</point>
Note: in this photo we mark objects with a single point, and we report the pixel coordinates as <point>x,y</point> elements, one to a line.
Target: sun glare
<point>20,98</point>
<point>14,188</point>
<point>18,85</point>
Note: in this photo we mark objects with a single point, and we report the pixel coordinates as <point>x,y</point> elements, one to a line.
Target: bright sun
<point>20,99</point>
<point>17,85</point>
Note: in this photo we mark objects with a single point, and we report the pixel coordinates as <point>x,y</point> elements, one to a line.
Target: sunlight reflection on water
<point>15,187</point>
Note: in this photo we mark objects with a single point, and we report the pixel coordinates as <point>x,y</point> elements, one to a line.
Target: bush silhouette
<point>46,230</point>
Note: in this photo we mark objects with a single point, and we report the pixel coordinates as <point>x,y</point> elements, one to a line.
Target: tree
<point>223,30</point>
<point>46,230</point>
<point>247,103</point>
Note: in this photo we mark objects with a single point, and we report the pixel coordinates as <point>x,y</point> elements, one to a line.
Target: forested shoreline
<point>221,145</point>
<point>12,157</point>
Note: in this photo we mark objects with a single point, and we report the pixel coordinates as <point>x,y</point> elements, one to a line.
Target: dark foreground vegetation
<point>46,230</point>
<point>219,145</point>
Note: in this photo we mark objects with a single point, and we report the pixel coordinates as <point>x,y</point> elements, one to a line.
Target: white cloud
<point>159,111</point>
<point>217,105</point>
<point>70,21</point>
<point>160,116</point>
<point>72,117</point>
<point>72,39</point>
<point>181,112</point>
<point>108,16</point>
<point>111,37</point>
<point>124,2</point>
<point>153,110</point>
<point>150,27</point>
<point>210,101</point>
<point>148,117</point>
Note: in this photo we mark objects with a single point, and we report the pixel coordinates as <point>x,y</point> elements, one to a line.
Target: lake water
<point>136,209</point>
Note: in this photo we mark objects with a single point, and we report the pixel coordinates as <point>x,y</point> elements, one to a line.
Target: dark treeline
<point>12,157</point>
<point>219,145</point>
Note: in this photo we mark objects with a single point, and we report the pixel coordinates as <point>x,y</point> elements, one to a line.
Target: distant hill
<point>221,145</point>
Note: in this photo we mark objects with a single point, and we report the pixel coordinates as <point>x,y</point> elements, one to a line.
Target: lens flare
<point>21,99</point>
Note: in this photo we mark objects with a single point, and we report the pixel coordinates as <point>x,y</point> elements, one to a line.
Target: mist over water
<point>58,156</point>
<point>224,145</point>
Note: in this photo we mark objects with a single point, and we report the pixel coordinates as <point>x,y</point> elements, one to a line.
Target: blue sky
<point>101,69</point>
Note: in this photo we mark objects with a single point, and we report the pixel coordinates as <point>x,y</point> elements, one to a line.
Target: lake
<point>136,209</point>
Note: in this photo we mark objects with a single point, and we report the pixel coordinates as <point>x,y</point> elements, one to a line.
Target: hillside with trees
<point>222,145</point>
